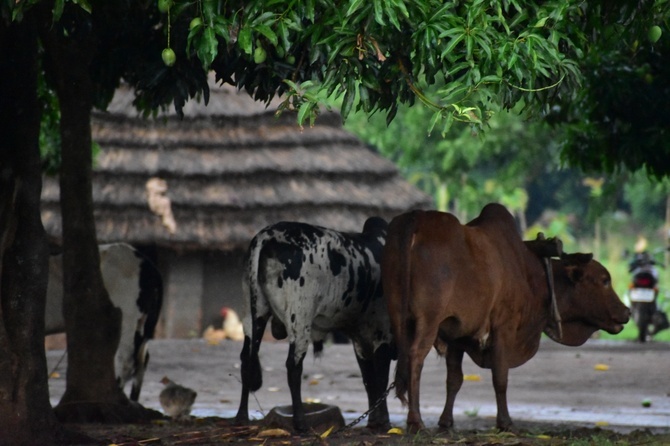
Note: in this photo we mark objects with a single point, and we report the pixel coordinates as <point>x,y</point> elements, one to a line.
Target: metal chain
<point>365,414</point>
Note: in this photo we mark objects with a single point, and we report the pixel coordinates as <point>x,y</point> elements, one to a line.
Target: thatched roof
<point>227,171</point>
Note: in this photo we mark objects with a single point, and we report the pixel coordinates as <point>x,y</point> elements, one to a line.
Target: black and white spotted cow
<point>135,286</point>
<point>312,280</point>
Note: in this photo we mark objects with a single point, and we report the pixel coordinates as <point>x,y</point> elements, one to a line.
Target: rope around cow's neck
<point>552,293</point>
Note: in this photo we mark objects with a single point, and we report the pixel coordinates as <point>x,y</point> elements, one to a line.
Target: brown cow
<point>478,289</point>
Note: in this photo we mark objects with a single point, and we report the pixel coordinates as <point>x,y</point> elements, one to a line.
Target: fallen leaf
<point>544,437</point>
<point>472,378</point>
<point>602,423</point>
<point>325,434</point>
<point>273,433</point>
<point>396,431</point>
<point>314,382</point>
<point>601,367</point>
<point>54,375</point>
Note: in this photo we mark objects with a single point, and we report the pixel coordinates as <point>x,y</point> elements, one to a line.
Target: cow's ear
<point>574,265</point>
<point>574,272</point>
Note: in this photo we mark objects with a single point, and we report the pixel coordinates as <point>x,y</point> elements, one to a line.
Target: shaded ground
<point>566,394</point>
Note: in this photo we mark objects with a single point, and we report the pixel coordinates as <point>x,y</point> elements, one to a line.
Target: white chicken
<point>232,326</point>
<point>176,400</point>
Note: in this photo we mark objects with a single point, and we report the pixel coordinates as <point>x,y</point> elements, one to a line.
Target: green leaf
<point>436,117</point>
<point>379,12</point>
<point>393,18</point>
<point>347,102</point>
<point>58,9</point>
<point>458,30</point>
<point>309,7</point>
<point>540,23</point>
<point>337,51</point>
<point>291,84</point>
<point>84,4</point>
<point>451,45</point>
<point>268,33</point>
<point>512,60</point>
<point>469,46</point>
<point>304,110</point>
<point>400,4</point>
<point>244,40</point>
<point>220,30</point>
<point>491,79</point>
<point>264,19</point>
<point>355,4</point>
<point>208,47</point>
<point>282,29</point>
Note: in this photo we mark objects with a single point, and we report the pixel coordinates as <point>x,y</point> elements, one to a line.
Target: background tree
<point>617,121</point>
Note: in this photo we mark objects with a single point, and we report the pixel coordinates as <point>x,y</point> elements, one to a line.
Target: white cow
<point>135,286</point>
<point>312,280</point>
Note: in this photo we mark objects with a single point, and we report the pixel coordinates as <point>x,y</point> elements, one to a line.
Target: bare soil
<point>604,391</point>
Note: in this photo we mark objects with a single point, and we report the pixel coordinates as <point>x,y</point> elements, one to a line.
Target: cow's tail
<point>255,318</point>
<point>150,302</point>
<point>404,323</point>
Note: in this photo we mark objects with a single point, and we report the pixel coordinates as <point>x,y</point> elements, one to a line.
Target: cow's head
<point>586,300</point>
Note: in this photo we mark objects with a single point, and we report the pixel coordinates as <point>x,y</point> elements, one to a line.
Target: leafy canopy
<point>618,121</point>
<point>591,65</point>
<point>483,54</point>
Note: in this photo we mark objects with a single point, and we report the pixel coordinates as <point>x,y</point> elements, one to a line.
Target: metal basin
<point>319,417</point>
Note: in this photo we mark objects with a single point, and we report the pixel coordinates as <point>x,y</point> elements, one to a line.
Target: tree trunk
<point>26,416</point>
<point>666,229</point>
<point>92,322</point>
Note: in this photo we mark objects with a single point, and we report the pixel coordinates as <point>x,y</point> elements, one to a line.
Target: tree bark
<point>26,417</point>
<point>92,322</point>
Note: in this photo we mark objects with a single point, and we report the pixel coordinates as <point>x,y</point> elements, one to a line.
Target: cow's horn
<point>545,247</point>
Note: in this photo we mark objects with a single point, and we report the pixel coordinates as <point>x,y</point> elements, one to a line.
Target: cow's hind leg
<point>252,377</point>
<point>375,374</point>
<point>421,345</point>
<point>294,373</point>
<point>454,362</point>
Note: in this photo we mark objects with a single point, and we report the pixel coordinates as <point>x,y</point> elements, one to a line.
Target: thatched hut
<point>192,192</point>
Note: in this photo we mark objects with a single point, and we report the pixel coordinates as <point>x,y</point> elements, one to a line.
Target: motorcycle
<point>643,295</point>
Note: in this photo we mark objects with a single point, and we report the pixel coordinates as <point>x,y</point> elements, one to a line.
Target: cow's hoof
<point>413,428</point>
<point>506,427</point>
<point>446,428</point>
<point>241,421</point>
<point>446,423</point>
<point>318,418</point>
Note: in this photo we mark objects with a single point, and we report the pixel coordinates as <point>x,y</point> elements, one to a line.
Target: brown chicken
<point>176,400</point>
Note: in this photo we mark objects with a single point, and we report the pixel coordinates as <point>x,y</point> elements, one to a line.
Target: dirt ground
<point>562,396</point>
